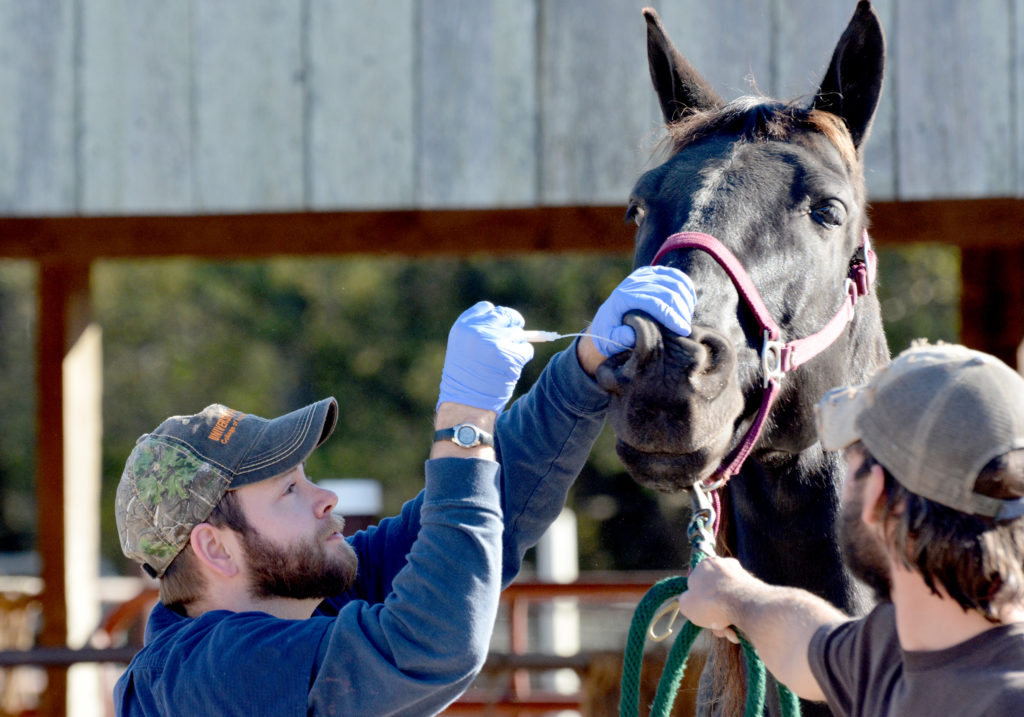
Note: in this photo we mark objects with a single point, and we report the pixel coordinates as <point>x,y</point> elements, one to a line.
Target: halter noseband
<point>777,358</point>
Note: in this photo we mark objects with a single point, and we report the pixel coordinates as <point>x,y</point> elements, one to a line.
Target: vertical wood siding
<point>134,77</point>
<point>361,95</point>
<point>37,107</point>
<point>954,97</point>
<point>148,106</point>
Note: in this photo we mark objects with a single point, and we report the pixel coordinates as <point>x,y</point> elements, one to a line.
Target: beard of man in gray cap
<point>933,521</point>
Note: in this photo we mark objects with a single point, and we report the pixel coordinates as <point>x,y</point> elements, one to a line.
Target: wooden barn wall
<point>199,106</point>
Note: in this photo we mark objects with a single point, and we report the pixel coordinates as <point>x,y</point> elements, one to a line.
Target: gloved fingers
<point>513,319</point>
<point>663,292</point>
<point>619,339</point>
<point>664,284</point>
<point>675,288</point>
<point>477,310</point>
<point>519,351</point>
<point>484,357</point>
<point>677,278</point>
<point>490,320</point>
<point>666,310</point>
<point>507,332</point>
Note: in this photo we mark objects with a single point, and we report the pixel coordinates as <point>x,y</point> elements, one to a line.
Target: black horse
<point>780,186</point>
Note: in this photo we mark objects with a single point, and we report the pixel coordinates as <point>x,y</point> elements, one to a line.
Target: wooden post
<point>992,302</point>
<point>68,395</point>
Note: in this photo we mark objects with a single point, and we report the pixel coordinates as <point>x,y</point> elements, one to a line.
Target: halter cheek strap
<point>777,358</point>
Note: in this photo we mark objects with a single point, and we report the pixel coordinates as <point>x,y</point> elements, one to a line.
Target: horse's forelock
<point>755,119</point>
<point>835,129</point>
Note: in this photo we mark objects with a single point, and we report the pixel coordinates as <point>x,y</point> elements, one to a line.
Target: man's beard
<point>303,571</point>
<point>862,552</point>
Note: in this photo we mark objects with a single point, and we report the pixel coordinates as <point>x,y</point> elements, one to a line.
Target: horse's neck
<point>783,519</point>
<point>868,346</point>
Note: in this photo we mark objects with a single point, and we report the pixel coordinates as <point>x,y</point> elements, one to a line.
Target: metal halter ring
<point>703,517</point>
<point>771,360</point>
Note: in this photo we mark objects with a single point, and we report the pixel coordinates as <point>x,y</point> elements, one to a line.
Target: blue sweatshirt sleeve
<point>543,441</point>
<point>420,648</point>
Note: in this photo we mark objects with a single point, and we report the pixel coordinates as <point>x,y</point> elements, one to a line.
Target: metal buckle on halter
<point>771,360</point>
<point>850,287</point>
<point>860,256</point>
<point>699,531</point>
<point>861,268</point>
<point>715,481</point>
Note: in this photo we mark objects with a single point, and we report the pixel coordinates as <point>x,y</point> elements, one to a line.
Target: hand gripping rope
<point>665,594</point>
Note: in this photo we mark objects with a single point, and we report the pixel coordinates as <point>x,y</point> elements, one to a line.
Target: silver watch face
<point>466,435</point>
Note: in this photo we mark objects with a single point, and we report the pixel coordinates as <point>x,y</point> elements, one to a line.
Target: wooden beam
<point>416,232</point>
<point>964,223</point>
<point>244,236</point>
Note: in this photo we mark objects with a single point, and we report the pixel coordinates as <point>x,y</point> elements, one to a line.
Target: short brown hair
<point>979,561</point>
<point>182,584</point>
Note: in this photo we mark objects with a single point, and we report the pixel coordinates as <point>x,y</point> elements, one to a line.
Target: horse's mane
<point>755,119</point>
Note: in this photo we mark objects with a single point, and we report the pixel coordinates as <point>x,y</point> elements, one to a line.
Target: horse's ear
<point>680,88</point>
<point>853,83</point>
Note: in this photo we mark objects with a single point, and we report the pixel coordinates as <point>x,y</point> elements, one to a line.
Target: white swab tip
<point>539,337</point>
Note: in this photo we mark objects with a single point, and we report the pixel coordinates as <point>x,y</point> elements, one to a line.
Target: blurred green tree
<point>268,337</point>
<point>17,419</point>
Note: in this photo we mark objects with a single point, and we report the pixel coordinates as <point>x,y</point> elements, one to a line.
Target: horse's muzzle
<point>674,403</point>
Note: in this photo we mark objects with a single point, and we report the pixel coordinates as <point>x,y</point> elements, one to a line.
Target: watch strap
<point>465,435</point>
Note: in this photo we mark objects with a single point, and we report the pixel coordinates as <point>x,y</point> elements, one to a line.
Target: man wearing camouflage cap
<point>266,609</point>
<point>933,521</point>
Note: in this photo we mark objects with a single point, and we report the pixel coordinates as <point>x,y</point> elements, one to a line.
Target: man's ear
<point>216,548</point>
<point>873,487</point>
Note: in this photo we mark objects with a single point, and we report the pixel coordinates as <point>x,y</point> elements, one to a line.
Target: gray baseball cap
<point>177,474</point>
<point>935,416</point>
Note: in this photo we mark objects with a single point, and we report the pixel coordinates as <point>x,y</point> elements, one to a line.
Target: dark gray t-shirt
<point>863,671</point>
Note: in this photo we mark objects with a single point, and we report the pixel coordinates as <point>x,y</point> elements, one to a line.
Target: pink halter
<point>777,358</point>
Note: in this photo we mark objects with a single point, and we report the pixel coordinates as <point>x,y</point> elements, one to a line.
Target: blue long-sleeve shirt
<point>413,631</point>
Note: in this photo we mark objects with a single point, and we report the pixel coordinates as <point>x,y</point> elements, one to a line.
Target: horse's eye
<point>830,215</point>
<point>636,213</point>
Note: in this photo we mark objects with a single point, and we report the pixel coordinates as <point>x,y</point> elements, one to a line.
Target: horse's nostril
<point>649,341</point>
<point>715,354</point>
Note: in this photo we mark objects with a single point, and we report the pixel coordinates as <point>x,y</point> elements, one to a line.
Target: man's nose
<point>325,501</point>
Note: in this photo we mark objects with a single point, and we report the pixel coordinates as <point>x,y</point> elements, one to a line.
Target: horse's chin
<point>667,472</point>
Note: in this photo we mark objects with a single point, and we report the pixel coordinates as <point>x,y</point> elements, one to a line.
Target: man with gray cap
<point>933,521</point>
<point>266,609</point>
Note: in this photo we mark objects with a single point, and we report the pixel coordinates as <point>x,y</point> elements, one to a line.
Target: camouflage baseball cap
<point>177,474</point>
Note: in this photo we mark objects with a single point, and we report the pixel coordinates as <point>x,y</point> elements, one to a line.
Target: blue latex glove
<point>664,292</point>
<point>486,353</point>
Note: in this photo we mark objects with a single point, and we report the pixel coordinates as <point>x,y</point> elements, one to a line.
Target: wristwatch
<point>465,435</point>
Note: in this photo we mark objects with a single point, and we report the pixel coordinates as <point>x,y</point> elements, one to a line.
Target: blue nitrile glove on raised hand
<point>485,355</point>
<point>664,292</point>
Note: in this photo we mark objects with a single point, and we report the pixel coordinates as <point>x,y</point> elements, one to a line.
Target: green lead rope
<point>675,665</point>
